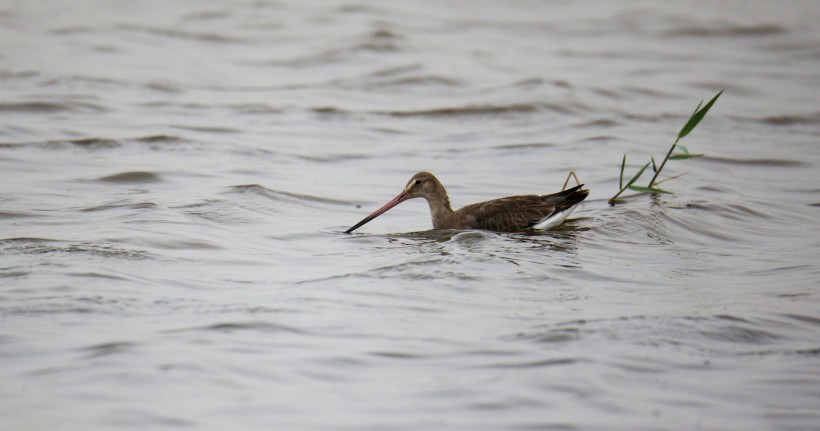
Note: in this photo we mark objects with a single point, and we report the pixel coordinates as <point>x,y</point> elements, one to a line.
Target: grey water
<point>176,178</point>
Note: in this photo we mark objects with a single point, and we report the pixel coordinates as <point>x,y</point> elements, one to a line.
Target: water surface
<point>176,178</point>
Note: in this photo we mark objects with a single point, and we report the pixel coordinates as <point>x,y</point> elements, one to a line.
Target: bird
<point>509,214</point>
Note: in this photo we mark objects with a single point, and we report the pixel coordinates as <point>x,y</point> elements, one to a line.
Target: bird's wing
<point>517,213</point>
<point>511,214</point>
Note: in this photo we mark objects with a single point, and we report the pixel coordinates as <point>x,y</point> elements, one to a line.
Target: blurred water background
<point>176,177</point>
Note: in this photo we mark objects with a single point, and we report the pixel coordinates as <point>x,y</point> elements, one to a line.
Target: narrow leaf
<point>697,116</point>
<point>654,166</point>
<point>698,107</point>
<point>648,189</point>
<point>612,200</point>
<point>680,135</point>
<point>684,156</point>
<point>638,175</point>
<point>621,181</point>
<point>669,179</point>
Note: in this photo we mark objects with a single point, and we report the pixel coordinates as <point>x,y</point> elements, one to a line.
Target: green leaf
<point>684,156</point>
<point>648,189</point>
<point>697,116</point>
<point>612,200</point>
<point>680,134</point>
<point>682,148</point>
<point>638,175</point>
<point>654,166</point>
<point>621,181</point>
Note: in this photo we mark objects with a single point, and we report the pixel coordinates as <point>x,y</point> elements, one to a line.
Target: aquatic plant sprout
<point>651,187</point>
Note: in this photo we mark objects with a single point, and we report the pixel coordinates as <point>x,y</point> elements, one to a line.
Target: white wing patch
<point>554,220</point>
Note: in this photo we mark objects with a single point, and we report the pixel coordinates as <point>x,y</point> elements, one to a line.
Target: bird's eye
<point>417,182</point>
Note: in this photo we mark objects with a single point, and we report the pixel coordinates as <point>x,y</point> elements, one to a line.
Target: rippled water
<point>177,175</point>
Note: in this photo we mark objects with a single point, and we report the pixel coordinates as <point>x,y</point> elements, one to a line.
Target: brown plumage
<point>510,214</point>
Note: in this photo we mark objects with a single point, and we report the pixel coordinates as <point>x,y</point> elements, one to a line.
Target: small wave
<point>399,355</point>
<point>549,335</point>
<point>429,81</point>
<point>599,123</point>
<point>305,61</point>
<point>157,138</point>
<point>333,158</point>
<point>329,110</point>
<point>49,107</point>
<point>471,237</point>
<point>791,120</point>
<point>599,138</point>
<point>68,304</point>
<point>178,34</point>
<point>206,15</point>
<point>608,93</point>
<point>62,31</point>
<point>84,81</point>
<point>525,146</point>
<point>812,321</point>
<point>13,273</point>
<point>717,334</point>
<point>37,246</point>
<point>107,349</point>
<point>377,46</point>
<point>132,177</point>
<point>727,210</point>
<point>105,251</point>
<point>165,87</point>
<point>93,143</point>
<point>15,74</point>
<point>254,108</point>
<point>208,129</point>
<point>669,228</point>
<point>256,189</point>
<point>87,143</point>
<point>223,211</point>
<point>410,75</point>
<point>97,275</point>
<point>464,111</point>
<point>396,71</point>
<point>228,327</point>
<point>647,91</point>
<point>739,334</point>
<point>714,189</point>
<point>728,30</point>
<point>777,163</point>
<point>16,214</point>
<point>557,362</point>
<point>420,269</point>
<point>379,42</point>
<point>119,205</point>
<point>530,83</point>
<point>365,9</point>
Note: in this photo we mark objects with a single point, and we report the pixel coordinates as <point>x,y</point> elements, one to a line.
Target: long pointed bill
<point>397,200</point>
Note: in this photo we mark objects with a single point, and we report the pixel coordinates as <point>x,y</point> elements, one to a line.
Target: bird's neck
<point>440,210</point>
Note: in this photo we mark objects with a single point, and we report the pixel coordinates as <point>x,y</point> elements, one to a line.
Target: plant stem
<point>690,125</point>
<point>632,181</point>
<point>663,163</point>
